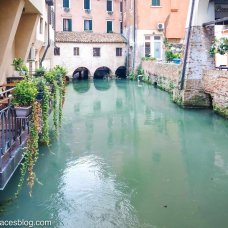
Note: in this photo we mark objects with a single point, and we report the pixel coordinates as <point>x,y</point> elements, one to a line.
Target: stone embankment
<point>215,83</point>
<point>211,90</point>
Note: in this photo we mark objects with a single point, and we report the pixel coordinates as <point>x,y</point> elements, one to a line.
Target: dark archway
<point>102,72</point>
<point>81,73</point>
<point>121,72</point>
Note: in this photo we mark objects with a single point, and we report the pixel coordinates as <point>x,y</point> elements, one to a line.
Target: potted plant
<point>17,64</point>
<point>40,72</point>
<point>24,95</point>
<point>40,85</point>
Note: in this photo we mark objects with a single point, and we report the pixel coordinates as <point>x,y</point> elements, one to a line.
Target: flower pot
<point>39,96</point>
<point>23,111</point>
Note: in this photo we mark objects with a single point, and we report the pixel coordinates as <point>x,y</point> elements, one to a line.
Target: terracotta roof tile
<point>89,37</point>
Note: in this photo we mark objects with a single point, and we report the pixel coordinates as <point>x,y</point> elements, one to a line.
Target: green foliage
<point>148,58</point>
<point>24,93</point>
<point>171,52</point>
<point>219,46</point>
<point>140,70</point>
<point>40,72</point>
<point>131,76</point>
<point>18,63</point>
<point>45,112</point>
<point>50,76</point>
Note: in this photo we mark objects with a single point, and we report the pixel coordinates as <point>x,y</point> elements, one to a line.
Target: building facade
<point>19,22</point>
<point>147,23</point>
<point>88,37</point>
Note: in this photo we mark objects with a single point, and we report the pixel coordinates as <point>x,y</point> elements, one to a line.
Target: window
<point>66,3</point>
<point>67,24</point>
<point>87,4</point>
<point>121,7</point>
<point>76,51</point>
<point>88,25</point>
<point>155,2</point>
<point>56,51</point>
<point>109,5</point>
<point>121,27</point>
<point>96,52</point>
<point>118,51</point>
<point>147,49</point>
<point>41,25</point>
<point>109,26</point>
<point>157,47</point>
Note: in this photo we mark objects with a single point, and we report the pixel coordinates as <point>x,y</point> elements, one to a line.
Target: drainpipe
<point>187,46</point>
<point>48,45</point>
<point>134,37</point>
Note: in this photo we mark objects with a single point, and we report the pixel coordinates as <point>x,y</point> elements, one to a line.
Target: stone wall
<point>215,83</point>
<point>164,75</point>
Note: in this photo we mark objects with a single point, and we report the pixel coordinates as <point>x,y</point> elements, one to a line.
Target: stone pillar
<point>198,60</point>
<point>10,14</point>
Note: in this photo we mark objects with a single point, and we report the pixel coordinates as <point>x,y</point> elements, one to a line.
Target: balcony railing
<point>13,133</point>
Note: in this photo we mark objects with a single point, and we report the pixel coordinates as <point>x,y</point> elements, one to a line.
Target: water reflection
<point>102,84</point>
<point>81,86</point>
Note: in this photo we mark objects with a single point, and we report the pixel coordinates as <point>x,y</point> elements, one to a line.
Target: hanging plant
<point>55,111</point>
<point>31,152</point>
<point>45,112</point>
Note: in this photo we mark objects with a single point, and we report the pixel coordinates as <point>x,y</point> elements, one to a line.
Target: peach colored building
<point>89,42</point>
<point>148,22</point>
<point>89,15</point>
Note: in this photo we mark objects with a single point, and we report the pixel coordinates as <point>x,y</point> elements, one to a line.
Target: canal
<point>128,157</point>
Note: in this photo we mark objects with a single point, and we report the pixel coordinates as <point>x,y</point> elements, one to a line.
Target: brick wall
<point>215,83</point>
<point>164,75</point>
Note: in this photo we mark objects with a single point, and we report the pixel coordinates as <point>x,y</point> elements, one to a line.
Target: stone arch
<point>81,73</point>
<point>102,72</point>
<point>121,72</point>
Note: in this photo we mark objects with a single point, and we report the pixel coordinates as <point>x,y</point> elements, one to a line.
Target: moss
<point>223,111</point>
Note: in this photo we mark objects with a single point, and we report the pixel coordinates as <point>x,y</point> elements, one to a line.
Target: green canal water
<point>128,157</point>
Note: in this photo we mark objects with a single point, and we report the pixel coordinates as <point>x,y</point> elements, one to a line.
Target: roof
<point>89,37</point>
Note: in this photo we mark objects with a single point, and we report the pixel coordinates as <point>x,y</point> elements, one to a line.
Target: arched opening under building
<point>121,72</point>
<point>81,73</point>
<point>102,73</point>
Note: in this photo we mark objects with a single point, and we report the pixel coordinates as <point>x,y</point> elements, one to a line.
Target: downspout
<point>48,45</point>
<point>187,46</point>
<point>134,37</point>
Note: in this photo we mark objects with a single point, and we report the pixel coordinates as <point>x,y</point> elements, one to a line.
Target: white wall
<point>108,57</point>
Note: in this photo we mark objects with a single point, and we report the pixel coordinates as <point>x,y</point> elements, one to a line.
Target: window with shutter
<point>87,4</point>
<point>109,26</point>
<point>66,3</point>
<point>109,5</point>
<point>88,25</point>
<point>155,2</point>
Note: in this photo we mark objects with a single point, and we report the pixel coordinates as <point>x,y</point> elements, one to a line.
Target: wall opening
<point>102,73</point>
<point>81,73</point>
<point>121,72</point>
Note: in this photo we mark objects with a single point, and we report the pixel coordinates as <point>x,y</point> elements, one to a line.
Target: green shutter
<point>66,4</point>
<point>109,26</point>
<point>70,24</point>
<point>90,25</point>
<point>86,4</point>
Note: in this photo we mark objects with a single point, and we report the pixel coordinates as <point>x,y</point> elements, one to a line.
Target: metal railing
<point>11,129</point>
